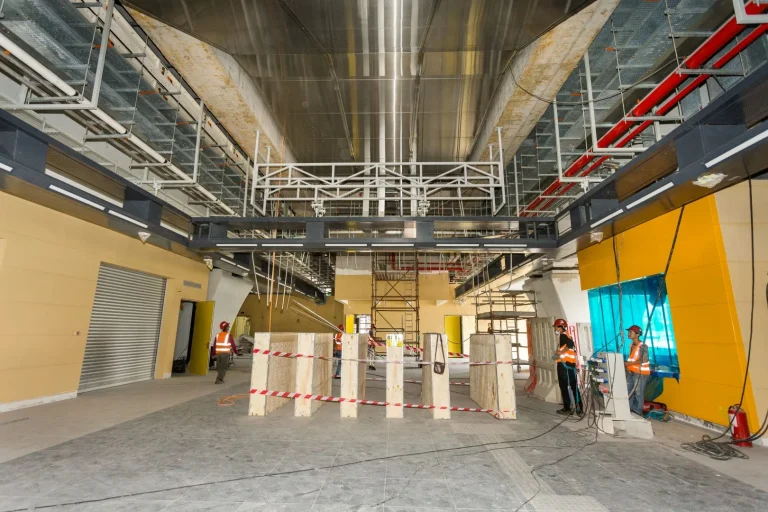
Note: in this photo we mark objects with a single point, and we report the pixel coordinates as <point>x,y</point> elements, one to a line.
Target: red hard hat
<point>561,323</point>
<point>223,325</point>
<point>637,329</point>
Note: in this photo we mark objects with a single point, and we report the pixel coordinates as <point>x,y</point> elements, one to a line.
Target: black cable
<point>282,473</point>
<point>708,445</point>
<point>611,96</point>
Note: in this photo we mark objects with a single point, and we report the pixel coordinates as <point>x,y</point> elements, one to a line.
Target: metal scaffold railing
<point>506,312</point>
<point>395,296</point>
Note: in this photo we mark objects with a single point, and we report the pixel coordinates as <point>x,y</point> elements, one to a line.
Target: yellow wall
<point>733,211</point>
<point>709,342</point>
<point>431,316</point>
<point>48,272</point>
<point>433,286</point>
<point>288,320</point>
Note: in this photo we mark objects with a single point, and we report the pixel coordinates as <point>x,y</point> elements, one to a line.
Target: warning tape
<point>417,349</point>
<point>279,353</point>
<point>409,381</point>
<point>337,399</point>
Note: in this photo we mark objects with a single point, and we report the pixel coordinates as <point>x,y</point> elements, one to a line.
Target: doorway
<point>182,349</point>
<point>453,333</point>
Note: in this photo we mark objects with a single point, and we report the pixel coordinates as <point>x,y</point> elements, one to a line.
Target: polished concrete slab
<point>197,455</point>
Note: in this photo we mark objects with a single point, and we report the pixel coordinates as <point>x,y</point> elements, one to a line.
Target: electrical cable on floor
<point>709,445</point>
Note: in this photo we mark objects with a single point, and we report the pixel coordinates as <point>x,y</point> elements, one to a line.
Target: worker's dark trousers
<point>222,363</point>
<point>566,377</point>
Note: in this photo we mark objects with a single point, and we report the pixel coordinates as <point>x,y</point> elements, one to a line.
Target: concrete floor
<point>176,449</point>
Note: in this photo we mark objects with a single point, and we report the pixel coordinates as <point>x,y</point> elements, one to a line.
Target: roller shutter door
<point>124,330</point>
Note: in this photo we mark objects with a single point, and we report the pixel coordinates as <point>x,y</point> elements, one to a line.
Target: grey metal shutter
<point>125,329</point>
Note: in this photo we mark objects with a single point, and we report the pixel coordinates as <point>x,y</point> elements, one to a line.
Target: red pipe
<point>727,32</point>
<point>426,268</point>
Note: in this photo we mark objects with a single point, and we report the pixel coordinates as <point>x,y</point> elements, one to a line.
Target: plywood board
<point>492,386</point>
<point>435,389</point>
<point>281,375</point>
<point>259,369</point>
<point>354,347</point>
<point>304,374</point>
<point>321,375</point>
<point>394,379</point>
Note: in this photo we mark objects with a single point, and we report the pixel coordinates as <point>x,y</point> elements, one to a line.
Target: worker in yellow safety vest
<point>223,346</point>
<point>638,370</point>
<point>337,351</point>
<point>566,368</point>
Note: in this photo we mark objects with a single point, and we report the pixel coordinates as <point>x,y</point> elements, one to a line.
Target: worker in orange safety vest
<point>337,351</point>
<point>223,346</point>
<point>638,370</point>
<point>566,368</point>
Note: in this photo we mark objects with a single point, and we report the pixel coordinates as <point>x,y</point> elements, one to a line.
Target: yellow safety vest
<point>637,366</point>
<point>222,343</point>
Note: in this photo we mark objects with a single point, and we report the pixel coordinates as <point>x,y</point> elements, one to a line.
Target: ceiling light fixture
<point>76,197</point>
<point>127,219</point>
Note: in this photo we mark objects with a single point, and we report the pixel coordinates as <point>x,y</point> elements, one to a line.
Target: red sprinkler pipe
<point>716,42</point>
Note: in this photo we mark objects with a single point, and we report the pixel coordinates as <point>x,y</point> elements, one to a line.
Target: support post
<point>198,138</point>
<point>350,374</point>
<point>394,377</point>
<point>435,389</point>
<point>259,374</point>
<point>304,374</point>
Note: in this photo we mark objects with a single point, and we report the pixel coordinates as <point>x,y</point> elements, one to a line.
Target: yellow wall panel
<point>704,314</point>
<point>48,272</point>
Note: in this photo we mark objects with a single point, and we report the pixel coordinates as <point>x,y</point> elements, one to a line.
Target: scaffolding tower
<point>507,312</point>
<point>395,296</point>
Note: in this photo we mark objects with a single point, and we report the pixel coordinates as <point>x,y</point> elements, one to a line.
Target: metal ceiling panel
<point>300,53</point>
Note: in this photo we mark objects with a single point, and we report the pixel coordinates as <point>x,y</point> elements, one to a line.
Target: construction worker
<point>566,368</point>
<point>337,351</point>
<point>223,347</point>
<point>638,370</point>
<point>372,347</point>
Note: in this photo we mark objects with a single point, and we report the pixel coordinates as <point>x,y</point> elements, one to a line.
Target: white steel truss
<point>378,182</point>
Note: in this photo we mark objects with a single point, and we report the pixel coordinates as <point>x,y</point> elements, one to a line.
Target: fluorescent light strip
<point>225,260</point>
<point>171,227</point>
<point>76,197</point>
<point>127,219</point>
<point>244,268</point>
<point>744,145</point>
<point>80,186</point>
<point>391,245</point>
<point>282,245</point>
<point>237,245</point>
<point>6,167</point>
<point>652,194</point>
<point>511,246</point>
<point>458,245</point>
<point>609,217</point>
<point>346,245</point>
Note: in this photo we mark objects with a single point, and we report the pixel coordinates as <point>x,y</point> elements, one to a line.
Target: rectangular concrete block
<point>492,386</point>
<point>435,389</point>
<point>394,378</point>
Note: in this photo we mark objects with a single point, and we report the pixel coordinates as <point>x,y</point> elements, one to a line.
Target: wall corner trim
<point>32,402</point>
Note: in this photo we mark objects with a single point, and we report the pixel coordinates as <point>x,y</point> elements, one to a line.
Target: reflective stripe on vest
<point>635,365</point>
<point>222,343</point>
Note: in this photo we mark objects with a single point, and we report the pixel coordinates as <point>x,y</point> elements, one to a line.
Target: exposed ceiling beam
<point>223,85</point>
<point>541,68</point>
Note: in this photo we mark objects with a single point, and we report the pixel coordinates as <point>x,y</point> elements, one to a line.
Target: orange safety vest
<point>637,366</point>
<point>569,356</point>
<point>337,342</point>
<point>222,343</point>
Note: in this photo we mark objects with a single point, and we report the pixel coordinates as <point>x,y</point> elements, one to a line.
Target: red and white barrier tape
<point>338,399</point>
<point>278,353</point>
<point>409,381</point>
